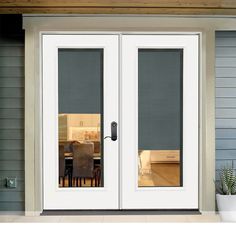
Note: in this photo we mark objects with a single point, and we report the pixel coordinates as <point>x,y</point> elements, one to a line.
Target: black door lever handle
<point>113,136</point>
<point>113,131</point>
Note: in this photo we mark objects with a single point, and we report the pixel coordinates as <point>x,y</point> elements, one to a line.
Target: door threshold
<point>121,212</point>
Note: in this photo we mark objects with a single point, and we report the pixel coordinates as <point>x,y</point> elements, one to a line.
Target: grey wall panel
<point>12,51</point>
<point>225,34</point>
<point>11,123</point>
<point>12,82</point>
<point>225,154</point>
<point>225,144</point>
<point>225,82</point>
<point>226,123</point>
<point>225,92</point>
<point>11,61</point>
<point>12,206</point>
<point>10,103</point>
<point>6,144</point>
<point>11,71</point>
<point>11,92</point>
<point>227,42</point>
<point>12,134</point>
<point>225,51</point>
<point>12,155</point>
<point>225,62</point>
<point>11,165</point>
<point>222,72</point>
<point>225,133</point>
<point>223,113</point>
<point>225,102</point>
<point>16,113</point>
<point>11,112</point>
<point>223,163</point>
<point>6,197</point>
<point>19,174</point>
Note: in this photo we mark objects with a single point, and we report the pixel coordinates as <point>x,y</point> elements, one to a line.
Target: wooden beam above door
<point>166,7</point>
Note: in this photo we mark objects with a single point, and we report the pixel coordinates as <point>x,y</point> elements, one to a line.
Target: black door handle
<point>113,131</point>
<point>113,136</point>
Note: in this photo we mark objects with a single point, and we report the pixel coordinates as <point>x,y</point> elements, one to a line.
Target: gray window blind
<point>80,74</point>
<point>160,99</point>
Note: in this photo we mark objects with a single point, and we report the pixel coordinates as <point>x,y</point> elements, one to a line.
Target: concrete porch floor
<point>212,218</point>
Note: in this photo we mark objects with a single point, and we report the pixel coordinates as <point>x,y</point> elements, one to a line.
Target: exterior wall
<point>11,111</point>
<point>225,100</point>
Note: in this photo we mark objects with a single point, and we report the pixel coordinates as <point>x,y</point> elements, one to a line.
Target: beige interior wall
<point>35,25</point>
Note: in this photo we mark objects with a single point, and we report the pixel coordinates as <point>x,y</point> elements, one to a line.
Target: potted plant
<point>226,195</point>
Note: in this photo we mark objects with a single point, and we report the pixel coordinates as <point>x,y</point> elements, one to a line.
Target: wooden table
<point>69,156</point>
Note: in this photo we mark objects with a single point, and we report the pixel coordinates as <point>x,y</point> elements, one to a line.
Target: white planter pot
<point>227,207</point>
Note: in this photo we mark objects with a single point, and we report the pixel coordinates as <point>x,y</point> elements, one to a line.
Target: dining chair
<point>83,164</point>
<point>62,170</point>
<point>97,148</point>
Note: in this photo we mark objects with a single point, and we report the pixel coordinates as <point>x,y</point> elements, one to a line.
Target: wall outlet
<point>11,182</point>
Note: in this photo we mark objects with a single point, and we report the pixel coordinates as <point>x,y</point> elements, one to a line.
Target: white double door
<point>148,85</point>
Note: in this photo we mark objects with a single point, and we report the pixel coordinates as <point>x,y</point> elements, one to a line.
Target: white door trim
<point>36,26</point>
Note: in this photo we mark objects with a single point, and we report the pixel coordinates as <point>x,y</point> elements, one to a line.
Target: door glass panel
<point>160,104</point>
<point>80,118</point>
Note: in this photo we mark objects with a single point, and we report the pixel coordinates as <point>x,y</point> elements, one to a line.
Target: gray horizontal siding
<point>11,134</point>
<point>223,113</point>
<point>225,82</point>
<point>11,92</point>
<point>225,92</point>
<point>11,61</point>
<point>11,165</point>
<point>19,174</point>
<point>17,155</point>
<point>11,123</point>
<point>10,103</point>
<point>225,133</point>
<point>12,206</point>
<point>11,112</point>
<point>11,51</point>
<point>12,82</point>
<point>225,123</point>
<point>228,72</point>
<point>225,100</point>
<point>11,71</point>
<point>225,62</point>
<point>225,52</point>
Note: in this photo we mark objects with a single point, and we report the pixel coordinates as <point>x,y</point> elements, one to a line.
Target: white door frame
<point>36,25</point>
<point>120,92</point>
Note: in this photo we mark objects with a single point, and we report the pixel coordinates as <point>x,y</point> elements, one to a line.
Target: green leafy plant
<point>227,184</point>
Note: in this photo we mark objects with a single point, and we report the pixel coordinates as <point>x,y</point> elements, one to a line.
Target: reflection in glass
<point>80,76</point>
<point>160,117</point>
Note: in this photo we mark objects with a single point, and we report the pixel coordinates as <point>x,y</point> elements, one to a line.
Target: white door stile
<point>134,197</point>
<point>79,198</point>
